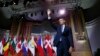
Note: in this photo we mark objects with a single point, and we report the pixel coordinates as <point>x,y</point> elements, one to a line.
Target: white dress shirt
<point>62,28</point>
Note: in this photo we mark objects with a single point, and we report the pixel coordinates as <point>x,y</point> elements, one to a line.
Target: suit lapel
<point>60,29</point>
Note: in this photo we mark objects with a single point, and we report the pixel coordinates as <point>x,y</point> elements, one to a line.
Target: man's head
<point>61,21</point>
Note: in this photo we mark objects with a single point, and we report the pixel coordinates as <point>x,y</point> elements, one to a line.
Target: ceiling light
<point>48,11</point>
<point>62,11</point>
<point>14,3</point>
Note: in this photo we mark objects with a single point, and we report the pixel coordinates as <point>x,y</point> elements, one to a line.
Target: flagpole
<point>18,30</point>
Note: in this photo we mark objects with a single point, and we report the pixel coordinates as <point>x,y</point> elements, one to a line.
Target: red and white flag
<point>48,45</point>
<point>18,47</point>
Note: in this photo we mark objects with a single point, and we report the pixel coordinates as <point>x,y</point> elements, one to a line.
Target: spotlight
<point>48,11</point>
<point>31,14</point>
<point>14,3</point>
<point>42,13</point>
<point>62,11</point>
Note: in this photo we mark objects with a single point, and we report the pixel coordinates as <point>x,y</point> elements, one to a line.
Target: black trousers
<point>62,51</point>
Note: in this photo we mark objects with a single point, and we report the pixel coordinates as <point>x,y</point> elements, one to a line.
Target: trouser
<point>62,51</point>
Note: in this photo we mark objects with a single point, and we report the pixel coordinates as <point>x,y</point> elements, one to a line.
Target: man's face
<point>61,21</point>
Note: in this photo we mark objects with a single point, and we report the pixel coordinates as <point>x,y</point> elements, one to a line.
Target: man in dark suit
<point>63,39</point>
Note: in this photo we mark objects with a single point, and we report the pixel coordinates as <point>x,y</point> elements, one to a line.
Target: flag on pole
<point>18,47</point>
<point>13,44</point>
<point>15,39</point>
<point>54,51</point>
<point>12,48</point>
<point>6,35</point>
<point>1,48</point>
<point>29,53</point>
<point>25,48</point>
<point>31,46</point>
<point>48,46</point>
<point>6,49</point>
<point>40,46</point>
<point>3,41</point>
<point>53,47</point>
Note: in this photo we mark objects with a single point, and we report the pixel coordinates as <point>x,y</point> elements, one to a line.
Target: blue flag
<point>24,50</point>
<point>40,43</point>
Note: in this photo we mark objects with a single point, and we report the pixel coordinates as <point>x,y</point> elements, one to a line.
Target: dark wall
<point>93,12</point>
<point>4,22</point>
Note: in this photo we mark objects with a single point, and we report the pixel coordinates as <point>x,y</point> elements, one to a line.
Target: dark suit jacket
<point>66,36</point>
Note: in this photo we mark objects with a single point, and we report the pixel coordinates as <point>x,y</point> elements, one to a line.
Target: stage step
<point>82,53</point>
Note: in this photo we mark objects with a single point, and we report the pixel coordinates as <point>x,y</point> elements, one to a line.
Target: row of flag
<point>37,46</point>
